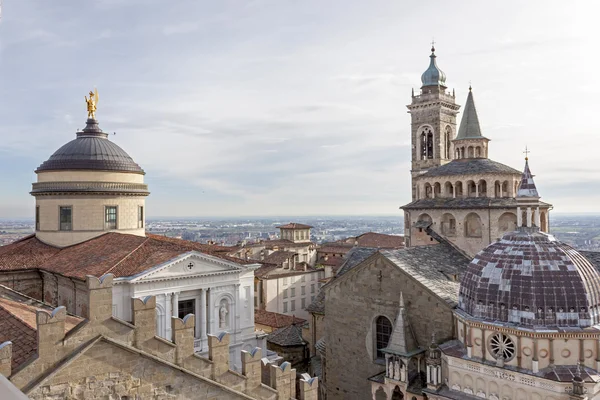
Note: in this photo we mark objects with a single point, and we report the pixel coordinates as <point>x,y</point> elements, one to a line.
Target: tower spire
<point>402,340</point>
<point>469,124</point>
<point>527,187</point>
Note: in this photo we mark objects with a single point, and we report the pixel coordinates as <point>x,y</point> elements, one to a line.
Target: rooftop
<point>294,225</point>
<point>470,166</point>
<point>289,336</point>
<point>117,253</point>
<point>275,320</point>
<point>18,323</point>
<point>465,202</point>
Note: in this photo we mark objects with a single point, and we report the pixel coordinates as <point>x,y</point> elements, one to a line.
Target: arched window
<point>428,191</point>
<point>507,222</point>
<point>473,226</point>
<point>437,189</point>
<point>383,331</point>
<point>448,189</point>
<point>397,394</point>
<point>429,143</point>
<point>470,153</point>
<point>447,138</point>
<point>482,188</point>
<point>423,155</point>
<point>380,394</point>
<point>478,152</point>
<point>448,224</point>
<point>459,189</point>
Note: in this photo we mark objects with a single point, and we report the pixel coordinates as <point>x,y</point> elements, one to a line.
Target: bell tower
<point>433,122</point>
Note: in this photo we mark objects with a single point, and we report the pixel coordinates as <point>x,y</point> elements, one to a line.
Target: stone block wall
<point>353,304</point>
<point>108,358</point>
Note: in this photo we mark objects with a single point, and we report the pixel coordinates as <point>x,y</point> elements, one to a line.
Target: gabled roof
<point>470,166</point>
<point>354,257</point>
<point>380,240</point>
<point>279,257</point>
<point>294,225</point>
<point>438,267</point>
<point>117,253</point>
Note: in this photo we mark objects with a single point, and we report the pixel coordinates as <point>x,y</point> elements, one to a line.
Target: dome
<point>529,278</point>
<point>433,76</point>
<point>91,150</point>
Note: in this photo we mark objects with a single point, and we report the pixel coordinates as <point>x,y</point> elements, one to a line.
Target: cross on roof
<point>526,153</point>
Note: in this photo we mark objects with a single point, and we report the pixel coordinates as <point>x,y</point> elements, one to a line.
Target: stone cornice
<point>61,188</point>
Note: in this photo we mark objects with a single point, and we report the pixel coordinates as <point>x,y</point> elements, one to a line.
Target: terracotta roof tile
<point>380,241</point>
<point>279,257</point>
<point>275,320</point>
<point>120,254</point>
<point>18,323</point>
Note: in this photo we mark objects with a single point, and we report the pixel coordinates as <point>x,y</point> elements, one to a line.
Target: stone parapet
<point>5,358</point>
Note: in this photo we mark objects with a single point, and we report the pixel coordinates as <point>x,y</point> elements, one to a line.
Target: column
<point>529,217</point>
<point>454,191</point>
<point>519,217</point>
<point>551,351</point>
<point>236,308</point>
<point>537,217</point>
<point>168,314</point>
<point>202,314</point>
<point>483,346</point>
<point>210,312</point>
<point>535,362</point>
<point>175,304</point>
<point>477,189</point>
<point>197,313</point>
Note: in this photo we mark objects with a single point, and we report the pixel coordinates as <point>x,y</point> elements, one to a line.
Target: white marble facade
<point>219,292</point>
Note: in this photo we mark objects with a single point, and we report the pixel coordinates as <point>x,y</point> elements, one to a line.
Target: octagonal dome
<point>91,150</point>
<point>529,278</point>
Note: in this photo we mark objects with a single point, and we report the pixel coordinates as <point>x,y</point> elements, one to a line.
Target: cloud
<point>178,29</point>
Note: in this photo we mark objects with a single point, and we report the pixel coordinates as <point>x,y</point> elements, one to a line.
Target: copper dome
<point>91,150</point>
<point>529,278</point>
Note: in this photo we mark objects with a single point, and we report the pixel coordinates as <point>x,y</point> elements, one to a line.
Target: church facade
<point>482,303</point>
<point>90,220</point>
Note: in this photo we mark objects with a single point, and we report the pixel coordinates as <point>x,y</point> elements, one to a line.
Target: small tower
<point>295,232</point>
<point>469,142</point>
<point>434,365</point>
<point>401,347</point>
<point>528,200</point>
<point>433,121</point>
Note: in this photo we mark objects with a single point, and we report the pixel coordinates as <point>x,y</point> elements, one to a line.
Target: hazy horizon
<point>294,108</point>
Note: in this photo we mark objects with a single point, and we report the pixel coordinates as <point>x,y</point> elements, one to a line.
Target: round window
<point>502,345</point>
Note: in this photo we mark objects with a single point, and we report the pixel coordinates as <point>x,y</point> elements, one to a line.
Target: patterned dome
<point>433,76</point>
<point>91,150</point>
<point>531,279</point>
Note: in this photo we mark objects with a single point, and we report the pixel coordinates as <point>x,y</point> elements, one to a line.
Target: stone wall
<point>353,303</point>
<point>27,282</point>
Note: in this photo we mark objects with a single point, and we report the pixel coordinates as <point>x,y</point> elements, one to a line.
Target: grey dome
<point>433,76</point>
<point>531,279</point>
<point>91,150</point>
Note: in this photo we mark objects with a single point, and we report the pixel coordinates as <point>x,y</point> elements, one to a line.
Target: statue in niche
<point>223,311</point>
<point>397,370</point>
<point>390,372</point>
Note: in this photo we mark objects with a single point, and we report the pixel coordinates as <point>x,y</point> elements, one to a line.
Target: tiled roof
<point>294,225</point>
<point>530,278</point>
<point>337,248</point>
<point>279,257</point>
<point>470,166</point>
<point>464,202</point>
<point>289,336</point>
<point>356,256</point>
<point>380,240</point>
<point>334,262</point>
<point>275,320</point>
<point>117,253</point>
<point>18,323</point>
<point>269,244</point>
<point>469,125</point>
<point>438,267</point>
<point>318,304</point>
<point>527,186</point>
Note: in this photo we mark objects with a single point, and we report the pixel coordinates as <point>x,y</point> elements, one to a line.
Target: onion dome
<point>91,150</point>
<point>433,76</point>
<point>529,278</point>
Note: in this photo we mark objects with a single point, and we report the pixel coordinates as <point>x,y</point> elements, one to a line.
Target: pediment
<point>189,265</point>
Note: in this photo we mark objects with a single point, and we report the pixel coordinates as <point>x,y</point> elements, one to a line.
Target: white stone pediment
<point>188,265</point>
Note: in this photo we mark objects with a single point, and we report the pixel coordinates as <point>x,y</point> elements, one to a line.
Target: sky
<point>259,108</point>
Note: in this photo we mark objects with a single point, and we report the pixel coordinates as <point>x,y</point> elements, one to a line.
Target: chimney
<point>5,358</point>
<point>50,332</point>
<point>251,367</point>
<point>218,353</point>
<point>144,319</point>
<point>183,337</point>
<point>99,307</point>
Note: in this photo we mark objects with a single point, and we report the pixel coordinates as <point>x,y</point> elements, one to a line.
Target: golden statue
<point>91,104</point>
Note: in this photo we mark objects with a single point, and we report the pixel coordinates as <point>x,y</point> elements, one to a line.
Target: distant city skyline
<point>275,108</point>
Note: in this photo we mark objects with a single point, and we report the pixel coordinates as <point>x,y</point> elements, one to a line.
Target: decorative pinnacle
<point>470,88</point>
<point>432,45</point>
<point>401,300</point>
<point>526,154</point>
